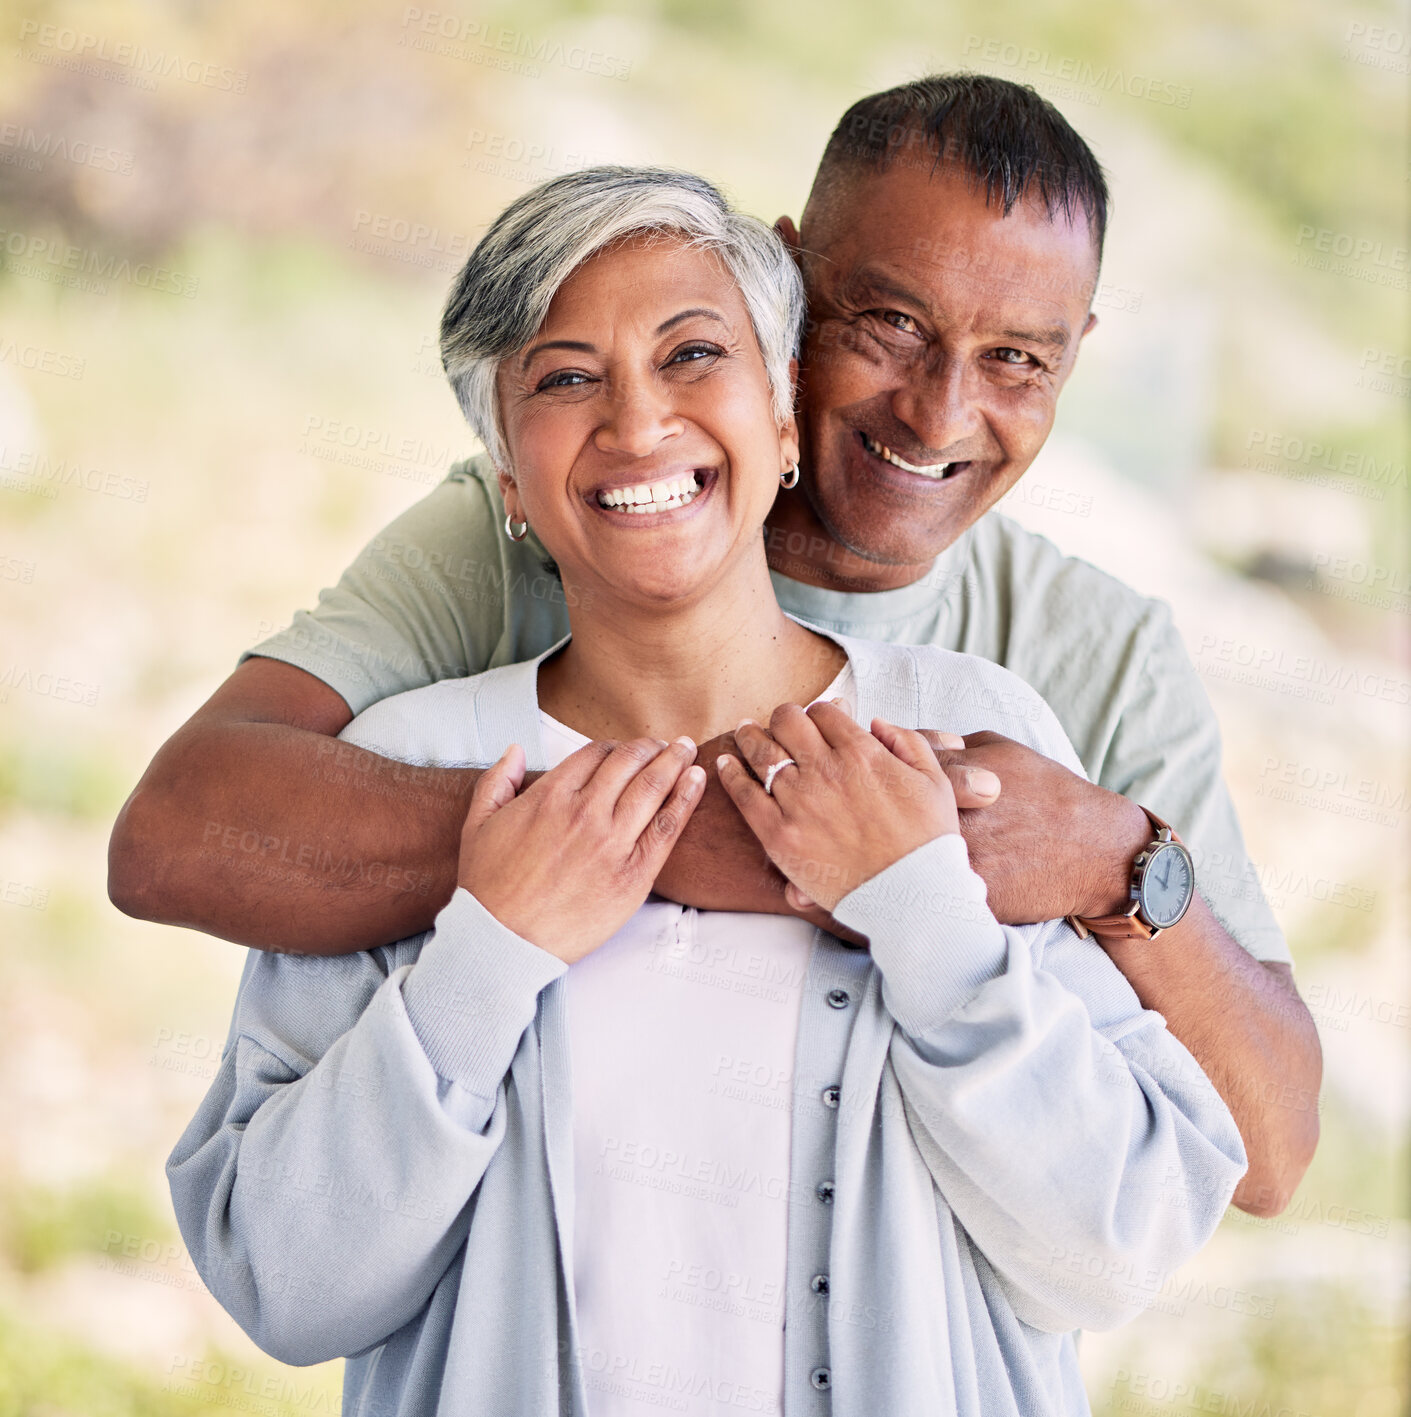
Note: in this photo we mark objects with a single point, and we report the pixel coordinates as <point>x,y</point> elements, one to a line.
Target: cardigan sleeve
<point>323,1186</point>
<point>1075,1139</point>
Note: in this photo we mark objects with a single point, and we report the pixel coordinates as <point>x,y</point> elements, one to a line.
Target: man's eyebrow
<point>1054,338</point>
<point>869,281</point>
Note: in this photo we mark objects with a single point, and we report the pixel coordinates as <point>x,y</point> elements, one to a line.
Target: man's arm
<point>1055,844</point>
<point>255,824</point>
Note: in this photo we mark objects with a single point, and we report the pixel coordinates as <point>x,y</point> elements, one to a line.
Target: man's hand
<point>718,863</point>
<point>1051,843</point>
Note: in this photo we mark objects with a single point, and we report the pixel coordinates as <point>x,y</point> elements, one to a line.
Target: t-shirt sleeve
<point>423,601</point>
<point>1165,752</point>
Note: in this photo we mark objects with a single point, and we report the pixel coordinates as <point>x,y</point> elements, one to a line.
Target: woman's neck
<point>696,669</point>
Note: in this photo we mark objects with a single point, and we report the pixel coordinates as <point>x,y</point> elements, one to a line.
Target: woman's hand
<point>566,862</point>
<point>854,803</point>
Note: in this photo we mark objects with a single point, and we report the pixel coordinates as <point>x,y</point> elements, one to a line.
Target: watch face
<point>1168,884</point>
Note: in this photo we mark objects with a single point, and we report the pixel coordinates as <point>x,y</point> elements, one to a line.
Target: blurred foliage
<point>47,1374</point>
<point>62,776</point>
<point>1326,1351</point>
<point>40,1226</point>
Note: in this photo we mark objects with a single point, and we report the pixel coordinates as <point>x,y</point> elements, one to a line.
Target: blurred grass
<point>42,1226</point>
<point>1327,1352</point>
<point>55,774</point>
<point>46,1374</point>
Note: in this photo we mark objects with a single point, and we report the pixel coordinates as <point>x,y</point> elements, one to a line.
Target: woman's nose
<point>637,419</point>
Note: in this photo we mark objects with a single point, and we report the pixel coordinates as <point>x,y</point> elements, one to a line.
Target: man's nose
<point>637,419</point>
<point>941,405</point>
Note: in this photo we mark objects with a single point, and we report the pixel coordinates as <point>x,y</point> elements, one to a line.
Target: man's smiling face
<point>940,333</point>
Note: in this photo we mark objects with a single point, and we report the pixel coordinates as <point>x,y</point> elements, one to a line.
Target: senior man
<point>950,249</point>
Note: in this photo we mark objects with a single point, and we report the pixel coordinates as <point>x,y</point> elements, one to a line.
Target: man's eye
<point>1012,356</point>
<point>899,321</point>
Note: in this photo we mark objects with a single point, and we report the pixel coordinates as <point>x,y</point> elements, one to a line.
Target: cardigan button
<point>824,1192</point>
<point>821,1378</point>
<point>831,1096</point>
<point>819,1283</point>
<point>839,998</point>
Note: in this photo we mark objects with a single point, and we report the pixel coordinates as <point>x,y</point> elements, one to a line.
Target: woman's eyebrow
<point>688,314</point>
<point>583,347</point>
<point>580,346</point>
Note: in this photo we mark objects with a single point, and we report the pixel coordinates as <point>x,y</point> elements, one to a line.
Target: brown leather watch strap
<point>1127,925</point>
<point>1111,927</point>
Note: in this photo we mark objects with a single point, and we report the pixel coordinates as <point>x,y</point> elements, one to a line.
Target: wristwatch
<point>1163,886</point>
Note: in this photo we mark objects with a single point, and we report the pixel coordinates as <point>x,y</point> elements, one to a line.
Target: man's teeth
<point>880,450</point>
<point>653,496</point>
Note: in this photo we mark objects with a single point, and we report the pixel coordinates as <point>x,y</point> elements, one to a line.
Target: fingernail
<point>951,740</point>
<point>744,723</point>
<point>722,760</point>
<point>686,742</point>
<point>695,777</point>
<point>982,782</point>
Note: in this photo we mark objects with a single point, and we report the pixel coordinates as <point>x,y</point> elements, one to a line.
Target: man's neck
<point>799,546</point>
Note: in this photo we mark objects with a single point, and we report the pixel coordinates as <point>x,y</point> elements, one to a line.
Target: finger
<point>908,745</point>
<point>837,727</point>
<point>758,747</point>
<point>664,827</point>
<point>941,742</point>
<point>795,899</point>
<point>645,793</point>
<point>619,768</point>
<point>973,787</point>
<point>797,734</point>
<point>816,915</point>
<point>579,766</point>
<point>498,785</point>
<point>760,811</point>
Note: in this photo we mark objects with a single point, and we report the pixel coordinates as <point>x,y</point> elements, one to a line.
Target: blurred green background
<point>227,232</point>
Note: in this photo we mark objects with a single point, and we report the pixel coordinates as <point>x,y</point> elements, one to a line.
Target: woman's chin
<point>653,583</point>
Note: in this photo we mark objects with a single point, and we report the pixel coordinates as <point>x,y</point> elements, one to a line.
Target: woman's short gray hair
<point>502,295</point>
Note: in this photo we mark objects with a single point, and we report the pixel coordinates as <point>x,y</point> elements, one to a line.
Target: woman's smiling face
<point>640,426</point>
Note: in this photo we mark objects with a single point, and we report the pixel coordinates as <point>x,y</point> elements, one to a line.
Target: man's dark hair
<point>1014,143</point>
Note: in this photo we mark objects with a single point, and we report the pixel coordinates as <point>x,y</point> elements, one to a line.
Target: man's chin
<point>865,532</point>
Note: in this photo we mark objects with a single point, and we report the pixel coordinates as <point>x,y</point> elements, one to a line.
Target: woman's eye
<point>693,354</point>
<point>563,379</point>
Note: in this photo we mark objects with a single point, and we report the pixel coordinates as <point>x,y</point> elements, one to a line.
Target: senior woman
<point>582,1150</point>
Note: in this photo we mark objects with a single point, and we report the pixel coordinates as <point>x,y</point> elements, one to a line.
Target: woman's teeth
<point>653,496</point>
<point>935,470</point>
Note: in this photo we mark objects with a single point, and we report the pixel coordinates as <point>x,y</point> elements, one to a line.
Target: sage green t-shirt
<point>442,593</point>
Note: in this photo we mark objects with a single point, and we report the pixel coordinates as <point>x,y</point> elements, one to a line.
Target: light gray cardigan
<point>383,1165</point>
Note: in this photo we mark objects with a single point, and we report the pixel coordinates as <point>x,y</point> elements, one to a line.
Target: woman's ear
<point>509,494</point>
<point>789,443</point>
<point>789,428</point>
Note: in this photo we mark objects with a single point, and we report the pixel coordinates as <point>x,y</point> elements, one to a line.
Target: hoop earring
<point>790,478</point>
<point>509,529</point>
